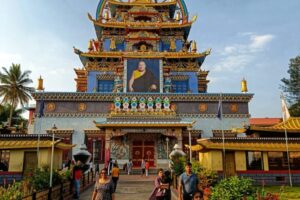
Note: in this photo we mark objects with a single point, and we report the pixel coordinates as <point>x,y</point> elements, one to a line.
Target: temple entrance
<point>143,149</point>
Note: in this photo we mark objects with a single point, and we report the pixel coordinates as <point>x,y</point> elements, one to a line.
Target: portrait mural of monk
<point>143,75</point>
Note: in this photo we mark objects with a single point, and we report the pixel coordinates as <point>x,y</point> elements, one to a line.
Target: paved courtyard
<point>133,187</point>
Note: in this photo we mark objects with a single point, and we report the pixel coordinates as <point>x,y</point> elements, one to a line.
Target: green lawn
<point>289,193</point>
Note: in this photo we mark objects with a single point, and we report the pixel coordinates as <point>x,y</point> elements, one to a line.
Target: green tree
<point>13,88</point>
<point>5,111</point>
<point>233,188</point>
<point>291,86</point>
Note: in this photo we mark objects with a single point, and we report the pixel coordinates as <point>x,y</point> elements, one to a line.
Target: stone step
<point>139,171</point>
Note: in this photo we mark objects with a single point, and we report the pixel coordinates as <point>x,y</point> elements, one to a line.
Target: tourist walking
<point>129,166</point>
<point>167,180</point>
<point>143,167</point>
<point>104,188</point>
<point>109,167</point>
<point>115,172</point>
<point>77,173</point>
<point>188,183</point>
<point>159,191</point>
<point>147,166</point>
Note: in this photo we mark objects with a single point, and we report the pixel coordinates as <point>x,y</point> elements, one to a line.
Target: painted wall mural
<point>119,148</point>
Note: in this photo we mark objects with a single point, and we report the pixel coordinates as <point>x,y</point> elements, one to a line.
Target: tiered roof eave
<point>142,3</point>
<point>292,125</point>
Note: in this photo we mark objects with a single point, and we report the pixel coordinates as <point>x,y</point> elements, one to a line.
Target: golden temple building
<point>261,155</point>
<point>141,89</point>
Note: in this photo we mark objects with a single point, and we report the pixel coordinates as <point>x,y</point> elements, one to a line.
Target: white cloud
<point>236,57</point>
<point>50,56</point>
<point>260,41</point>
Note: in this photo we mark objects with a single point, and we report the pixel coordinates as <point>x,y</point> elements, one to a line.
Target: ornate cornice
<point>240,116</point>
<point>93,132</point>
<point>140,24</point>
<point>143,10</point>
<point>142,3</point>
<point>60,131</point>
<point>151,54</point>
<point>107,115</point>
<point>101,66</point>
<point>105,77</point>
<point>179,77</point>
<point>74,115</point>
<point>174,97</point>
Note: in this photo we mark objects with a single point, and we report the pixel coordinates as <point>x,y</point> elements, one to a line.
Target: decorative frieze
<point>79,96</point>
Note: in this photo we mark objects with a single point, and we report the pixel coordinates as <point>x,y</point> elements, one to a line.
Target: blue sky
<point>252,39</point>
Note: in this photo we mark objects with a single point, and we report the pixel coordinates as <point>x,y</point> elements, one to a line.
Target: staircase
<point>138,171</point>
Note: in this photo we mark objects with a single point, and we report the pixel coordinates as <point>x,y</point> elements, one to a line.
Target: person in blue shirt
<point>188,183</point>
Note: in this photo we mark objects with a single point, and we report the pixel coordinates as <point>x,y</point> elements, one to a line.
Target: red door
<point>142,149</point>
<point>149,152</point>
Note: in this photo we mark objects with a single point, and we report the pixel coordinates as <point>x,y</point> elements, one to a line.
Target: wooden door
<point>30,161</point>
<point>229,164</point>
<point>149,152</point>
<point>143,149</point>
<point>137,152</point>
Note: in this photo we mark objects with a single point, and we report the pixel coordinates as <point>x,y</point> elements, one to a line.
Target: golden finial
<point>194,18</point>
<point>112,45</point>
<point>177,16</point>
<point>40,86</point>
<point>244,88</point>
<point>106,15</point>
<point>172,44</point>
<point>194,46</point>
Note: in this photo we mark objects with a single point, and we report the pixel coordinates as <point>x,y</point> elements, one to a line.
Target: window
<point>295,160</point>
<point>180,86</point>
<point>277,160</point>
<point>254,160</point>
<point>105,85</point>
<point>4,160</point>
<point>98,148</point>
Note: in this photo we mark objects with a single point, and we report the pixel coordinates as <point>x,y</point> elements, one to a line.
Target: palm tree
<point>13,88</point>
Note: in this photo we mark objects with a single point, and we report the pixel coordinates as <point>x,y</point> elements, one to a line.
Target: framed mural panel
<point>143,75</point>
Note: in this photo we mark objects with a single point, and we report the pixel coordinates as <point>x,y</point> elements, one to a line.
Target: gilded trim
<point>174,97</point>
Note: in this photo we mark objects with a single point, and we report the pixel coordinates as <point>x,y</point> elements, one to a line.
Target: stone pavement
<point>130,187</point>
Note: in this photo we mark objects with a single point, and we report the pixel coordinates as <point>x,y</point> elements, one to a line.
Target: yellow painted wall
<point>45,156</point>
<point>240,161</point>
<point>211,160</point>
<point>57,164</point>
<point>16,160</point>
<point>216,160</point>
<point>203,159</point>
<point>266,162</point>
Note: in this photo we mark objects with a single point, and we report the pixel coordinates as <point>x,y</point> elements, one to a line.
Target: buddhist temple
<point>261,155</point>
<point>141,89</point>
<point>18,154</point>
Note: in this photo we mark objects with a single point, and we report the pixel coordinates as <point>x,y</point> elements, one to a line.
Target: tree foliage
<point>13,88</point>
<point>291,86</point>
<point>4,113</point>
